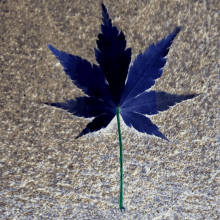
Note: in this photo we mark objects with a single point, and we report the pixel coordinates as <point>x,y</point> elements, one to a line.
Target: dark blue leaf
<point>105,84</point>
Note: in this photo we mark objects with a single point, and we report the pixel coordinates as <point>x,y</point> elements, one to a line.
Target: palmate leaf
<point>105,84</point>
<point>114,88</point>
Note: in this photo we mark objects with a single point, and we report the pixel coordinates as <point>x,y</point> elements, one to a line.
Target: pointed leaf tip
<point>165,138</point>
<point>50,46</point>
<point>195,95</point>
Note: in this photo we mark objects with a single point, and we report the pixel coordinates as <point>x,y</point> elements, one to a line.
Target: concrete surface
<point>46,174</point>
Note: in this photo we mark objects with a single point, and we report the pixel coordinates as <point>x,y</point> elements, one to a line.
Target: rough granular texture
<point>47,174</point>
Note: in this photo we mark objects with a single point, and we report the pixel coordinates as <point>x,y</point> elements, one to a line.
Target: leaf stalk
<point>121,163</point>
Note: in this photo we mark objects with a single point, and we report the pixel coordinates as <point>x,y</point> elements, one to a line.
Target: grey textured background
<point>46,174</point>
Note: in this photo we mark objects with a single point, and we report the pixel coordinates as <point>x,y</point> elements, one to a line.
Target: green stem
<point>121,163</point>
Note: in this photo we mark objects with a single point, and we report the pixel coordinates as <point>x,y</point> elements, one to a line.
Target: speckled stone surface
<point>46,174</point>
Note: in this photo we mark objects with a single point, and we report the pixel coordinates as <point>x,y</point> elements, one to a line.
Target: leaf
<point>107,87</point>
